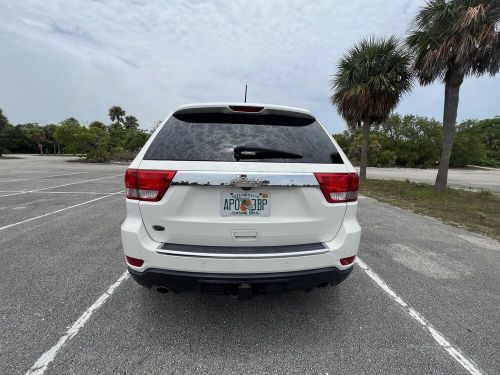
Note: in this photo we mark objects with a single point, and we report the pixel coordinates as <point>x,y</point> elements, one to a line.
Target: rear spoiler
<point>249,109</point>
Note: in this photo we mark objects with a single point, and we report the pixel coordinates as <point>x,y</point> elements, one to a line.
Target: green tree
<point>135,139</point>
<point>414,139</point>
<point>4,125</point>
<point>344,140</point>
<point>49,131</point>
<point>374,147</point>
<point>36,135</point>
<point>97,125</point>
<point>69,133</point>
<point>4,122</point>
<point>370,80</point>
<point>116,114</point>
<point>453,39</point>
<point>14,140</point>
<point>487,132</point>
<point>100,138</point>
<point>116,136</point>
<point>407,141</point>
<point>467,149</point>
<point>131,122</point>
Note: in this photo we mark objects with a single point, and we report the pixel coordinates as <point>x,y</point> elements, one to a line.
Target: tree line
<point>415,141</point>
<point>448,41</point>
<point>97,142</point>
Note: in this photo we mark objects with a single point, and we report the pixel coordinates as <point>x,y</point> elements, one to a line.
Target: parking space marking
<point>53,187</point>
<point>60,210</point>
<point>46,358</point>
<point>42,363</point>
<point>36,178</point>
<point>59,192</point>
<point>454,352</point>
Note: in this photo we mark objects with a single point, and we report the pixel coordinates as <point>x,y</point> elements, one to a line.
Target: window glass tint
<point>213,137</point>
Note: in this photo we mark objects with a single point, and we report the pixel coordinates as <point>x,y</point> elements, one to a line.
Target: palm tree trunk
<point>364,150</point>
<point>451,96</point>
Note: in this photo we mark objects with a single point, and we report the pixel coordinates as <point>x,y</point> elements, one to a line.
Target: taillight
<point>339,187</point>
<point>136,262</point>
<point>348,260</point>
<point>147,185</point>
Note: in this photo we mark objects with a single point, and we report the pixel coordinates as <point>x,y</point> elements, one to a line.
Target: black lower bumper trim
<point>179,281</point>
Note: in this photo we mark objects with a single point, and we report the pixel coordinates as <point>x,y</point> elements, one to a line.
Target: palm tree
<point>131,122</point>
<point>370,80</point>
<point>97,125</point>
<point>116,114</point>
<point>452,40</point>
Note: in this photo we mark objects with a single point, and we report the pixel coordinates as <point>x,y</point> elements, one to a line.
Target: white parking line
<point>454,352</point>
<point>41,364</point>
<point>46,358</point>
<point>36,178</point>
<point>60,192</point>
<point>53,187</point>
<point>57,211</point>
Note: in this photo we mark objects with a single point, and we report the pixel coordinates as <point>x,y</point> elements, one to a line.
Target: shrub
<point>98,156</point>
<point>467,149</point>
<point>386,158</point>
<point>124,155</point>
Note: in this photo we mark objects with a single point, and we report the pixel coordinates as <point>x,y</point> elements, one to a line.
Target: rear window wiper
<point>251,152</point>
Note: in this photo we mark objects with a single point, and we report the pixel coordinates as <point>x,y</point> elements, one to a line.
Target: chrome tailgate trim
<point>243,251</point>
<point>244,179</point>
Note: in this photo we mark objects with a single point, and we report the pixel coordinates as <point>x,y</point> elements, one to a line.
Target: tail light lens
<point>147,185</point>
<point>348,260</point>
<point>339,187</point>
<point>136,262</point>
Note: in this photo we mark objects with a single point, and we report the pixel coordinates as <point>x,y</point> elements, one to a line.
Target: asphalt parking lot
<point>424,299</point>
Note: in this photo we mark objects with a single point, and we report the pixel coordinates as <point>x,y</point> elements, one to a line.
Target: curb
<point>485,168</point>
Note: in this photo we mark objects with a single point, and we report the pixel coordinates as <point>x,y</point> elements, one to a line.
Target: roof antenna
<point>245,92</point>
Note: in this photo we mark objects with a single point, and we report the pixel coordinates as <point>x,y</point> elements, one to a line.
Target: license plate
<point>245,204</point>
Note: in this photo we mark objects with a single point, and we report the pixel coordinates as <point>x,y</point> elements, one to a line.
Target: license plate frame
<point>245,203</point>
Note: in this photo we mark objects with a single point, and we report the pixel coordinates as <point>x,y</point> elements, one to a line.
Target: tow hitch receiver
<point>244,292</point>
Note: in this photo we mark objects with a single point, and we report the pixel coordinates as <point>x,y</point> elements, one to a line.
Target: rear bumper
<point>137,243</point>
<point>180,281</point>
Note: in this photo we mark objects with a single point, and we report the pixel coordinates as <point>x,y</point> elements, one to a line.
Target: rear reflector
<point>339,187</point>
<point>348,260</point>
<point>136,262</point>
<point>147,185</point>
<point>245,108</point>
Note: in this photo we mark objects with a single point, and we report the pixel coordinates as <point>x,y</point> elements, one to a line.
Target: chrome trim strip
<point>244,179</point>
<point>242,256</point>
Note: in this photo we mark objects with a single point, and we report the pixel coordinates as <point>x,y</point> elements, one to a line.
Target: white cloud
<point>77,58</point>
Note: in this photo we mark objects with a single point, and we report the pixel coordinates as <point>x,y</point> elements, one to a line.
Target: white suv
<point>240,199</point>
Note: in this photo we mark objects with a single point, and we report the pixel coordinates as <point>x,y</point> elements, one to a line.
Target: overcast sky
<point>78,58</point>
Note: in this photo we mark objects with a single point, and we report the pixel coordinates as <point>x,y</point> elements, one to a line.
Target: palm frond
<point>462,34</point>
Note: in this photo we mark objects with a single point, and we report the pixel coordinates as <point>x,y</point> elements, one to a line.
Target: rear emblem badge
<point>243,181</point>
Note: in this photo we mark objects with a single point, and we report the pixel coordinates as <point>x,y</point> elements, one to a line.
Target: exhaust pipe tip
<point>162,290</point>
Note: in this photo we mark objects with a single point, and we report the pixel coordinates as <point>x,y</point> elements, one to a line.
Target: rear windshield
<point>214,137</point>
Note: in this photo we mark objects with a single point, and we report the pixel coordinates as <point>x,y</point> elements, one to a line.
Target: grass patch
<point>479,212</point>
